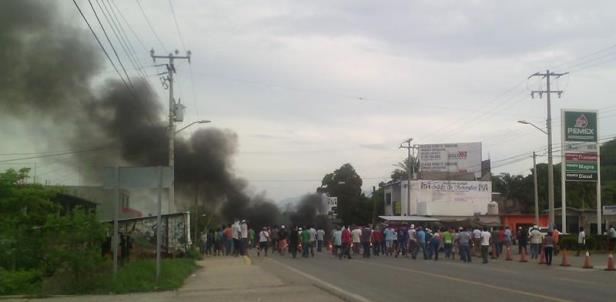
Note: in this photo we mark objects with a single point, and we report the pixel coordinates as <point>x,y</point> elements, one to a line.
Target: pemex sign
<point>580,145</point>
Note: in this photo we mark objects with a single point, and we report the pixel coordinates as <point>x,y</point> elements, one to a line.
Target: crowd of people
<point>403,240</point>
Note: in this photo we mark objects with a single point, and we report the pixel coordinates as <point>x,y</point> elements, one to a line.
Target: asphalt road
<point>402,279</point>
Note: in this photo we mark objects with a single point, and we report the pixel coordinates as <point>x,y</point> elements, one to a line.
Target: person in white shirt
<point>355,236</point>
<point>236,235</point>
<point>264,238</point>
<point>313,240</point>
<point>581,241</point>
<point>485,244</point>
<point>244,236</point>
<point>320,238</point>
<point>476,241</point>
<point>536,238</point>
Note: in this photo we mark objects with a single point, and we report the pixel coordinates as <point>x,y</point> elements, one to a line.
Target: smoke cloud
<point>51,76</point>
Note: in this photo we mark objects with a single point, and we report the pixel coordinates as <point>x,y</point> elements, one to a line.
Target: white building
<point>438,198</point>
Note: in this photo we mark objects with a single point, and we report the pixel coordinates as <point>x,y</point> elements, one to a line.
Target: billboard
<point>451,198</point>
<point>580,145</point>
<point>458,158</point>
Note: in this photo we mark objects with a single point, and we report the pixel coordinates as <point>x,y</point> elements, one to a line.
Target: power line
<point>147,20</point>
<point>101,44</point>
<point>111,44</point>
<point>119,34</point>
<point>177,26</point>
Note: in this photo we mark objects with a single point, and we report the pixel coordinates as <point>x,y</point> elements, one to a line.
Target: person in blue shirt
<point>390,236</point>
<point>421,238</point>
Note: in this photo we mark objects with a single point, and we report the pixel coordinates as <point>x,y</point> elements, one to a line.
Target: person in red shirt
<point>228,239</point>
<point>500,241</point>
<point>377,238</point>
<point>346,242</point>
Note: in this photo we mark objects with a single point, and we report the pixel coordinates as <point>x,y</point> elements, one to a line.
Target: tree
<point>404,166</point>
<point>345,184</point>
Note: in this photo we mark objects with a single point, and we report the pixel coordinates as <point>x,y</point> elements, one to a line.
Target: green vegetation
<point>354,207</point>
<point>579,194</point>
<point>139,276</point>
<point>44,250</point>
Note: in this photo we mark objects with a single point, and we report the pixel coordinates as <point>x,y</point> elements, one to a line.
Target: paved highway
<point>402,279</point>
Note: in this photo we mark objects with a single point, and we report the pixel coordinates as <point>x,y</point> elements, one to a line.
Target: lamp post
<point>193,123</point>
<point>550,173</point>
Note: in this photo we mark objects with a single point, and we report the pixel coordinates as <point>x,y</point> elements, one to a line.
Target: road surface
<point>402,279</point>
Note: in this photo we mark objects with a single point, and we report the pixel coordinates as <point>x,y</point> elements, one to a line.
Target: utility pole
<point>175,115</point>
<point>548,92</point>
<point>536,189</point>
<point>410,171</point>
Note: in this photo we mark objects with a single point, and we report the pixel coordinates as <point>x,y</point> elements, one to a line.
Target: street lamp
<point>550,171</point>
<point>536,127</point>
<point>196,122</point>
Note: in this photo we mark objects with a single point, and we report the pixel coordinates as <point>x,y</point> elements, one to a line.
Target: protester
<point>403,241</point>
<point>337,238</point>
<point>611,237</point>
<point>355,235</point>
<point>274,237</point>
<point>251,238</point>
<point>464,242</point>
<point>313,240</point>
<point>228,240</point>
<point>476,241</point>
<point>435,244</point>
<point>377,241</point>
<point>390,235</point>
<point>413,244</point>
<point>365,240</point>
<point>264,238</point>
<point>581,241</point>
<point>508,238</point>
<point>556,238</point>
<point>305,239</point>
<point>548,247</point>
<point>283,244</point>
<point>522,240</point>
<point>536,238</point>
<point>293,242</point>
<point>236,236</point>
<point>346,242</point>
<point>421,239</point>
<point>320,239</point>
<point>485,244</point>
<point>448,242</point>
<point>244,237</point>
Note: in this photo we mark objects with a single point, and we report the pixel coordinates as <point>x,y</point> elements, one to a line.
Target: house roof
<point>408,218</point>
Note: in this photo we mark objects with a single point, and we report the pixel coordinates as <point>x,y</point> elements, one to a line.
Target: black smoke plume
<point>51,83</point>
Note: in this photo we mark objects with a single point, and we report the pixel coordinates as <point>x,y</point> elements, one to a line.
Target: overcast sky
<point>311,85</point>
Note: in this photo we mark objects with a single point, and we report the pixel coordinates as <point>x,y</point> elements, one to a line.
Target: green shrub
<point>140,275</point>
<point>26,282</point>
<point>194,254</point>
<point>593,242</point>
<point>72,246</point>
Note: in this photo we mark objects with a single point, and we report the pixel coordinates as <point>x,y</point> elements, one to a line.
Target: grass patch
<point>140,275</point>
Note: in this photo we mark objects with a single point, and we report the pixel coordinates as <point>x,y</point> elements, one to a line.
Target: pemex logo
<point>581,121</point>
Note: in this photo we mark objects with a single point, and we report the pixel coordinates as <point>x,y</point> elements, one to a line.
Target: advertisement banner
<point>580,145</point>
<point>450,198</point>
<point>580,126</point>
<point>451,158</point>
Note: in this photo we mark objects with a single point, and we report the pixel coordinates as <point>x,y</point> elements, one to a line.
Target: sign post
<point>580,155</point>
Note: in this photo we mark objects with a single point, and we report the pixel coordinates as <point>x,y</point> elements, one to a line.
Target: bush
<point>568,242</point>
<point>72,246</point>
<point>140,275</point>
<point>26,282</point>
<point>194,254</point>
<point>593,242</point>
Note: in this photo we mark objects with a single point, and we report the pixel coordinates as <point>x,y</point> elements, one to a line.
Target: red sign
<point>581,156</point>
